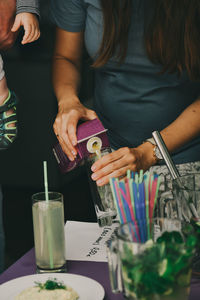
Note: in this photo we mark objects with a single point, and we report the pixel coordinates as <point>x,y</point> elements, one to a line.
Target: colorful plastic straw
<point>125,201</point>
<point>114,192</point>
<point>121,207</point>
<point>135,200</point>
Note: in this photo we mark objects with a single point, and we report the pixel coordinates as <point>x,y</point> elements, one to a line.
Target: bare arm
<point>66,81</point>
<point>66,65</point>
<point>184,128</point>
<point>181,131</point>
<point>7,16</point>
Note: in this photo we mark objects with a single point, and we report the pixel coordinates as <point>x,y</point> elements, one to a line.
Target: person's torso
<point>133,99</point>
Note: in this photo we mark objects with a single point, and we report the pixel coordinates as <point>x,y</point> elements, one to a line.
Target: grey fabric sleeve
<point>31,6</point>
<point>69,15</point>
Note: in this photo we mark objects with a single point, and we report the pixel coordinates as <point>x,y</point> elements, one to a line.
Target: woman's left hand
<point>118,162</point>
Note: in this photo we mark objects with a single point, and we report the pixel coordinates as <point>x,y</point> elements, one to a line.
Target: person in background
<point>13,15</point>
<point>147,77</point>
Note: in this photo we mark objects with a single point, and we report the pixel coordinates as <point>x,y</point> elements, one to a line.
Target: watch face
<point>158,154</point>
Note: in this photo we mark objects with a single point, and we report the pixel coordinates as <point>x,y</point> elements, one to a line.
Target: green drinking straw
<point>146,184</point>
<point>121,201</point>
<point>136,178</point>
<point>130,182</point>
<point>45,181</point>
<point>114,196</point>
<point>141,176</point>
<point>49,239</point>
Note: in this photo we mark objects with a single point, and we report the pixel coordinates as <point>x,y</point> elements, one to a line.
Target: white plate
<point>87,288</point>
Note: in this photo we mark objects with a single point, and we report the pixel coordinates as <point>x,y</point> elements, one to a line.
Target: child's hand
<point>31,26</point>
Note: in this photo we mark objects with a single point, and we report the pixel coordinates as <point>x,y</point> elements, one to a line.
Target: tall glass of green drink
<point>48,225</point>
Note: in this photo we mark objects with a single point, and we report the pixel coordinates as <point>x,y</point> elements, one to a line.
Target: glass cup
<point>186,192</point>
<point>156,269</point>
<point>180,199</point>
<point>101,195</point>
<point>49,238</point>
<point>167,206</point>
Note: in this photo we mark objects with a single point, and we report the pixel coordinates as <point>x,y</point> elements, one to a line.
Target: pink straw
<point>128,198</point>
<point>152,197</point>
<point>120,202</point>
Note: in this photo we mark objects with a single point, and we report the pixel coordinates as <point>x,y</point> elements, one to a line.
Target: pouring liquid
<point>97,149</point>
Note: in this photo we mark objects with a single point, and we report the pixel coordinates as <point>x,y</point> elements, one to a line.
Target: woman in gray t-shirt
<point>147,71</point>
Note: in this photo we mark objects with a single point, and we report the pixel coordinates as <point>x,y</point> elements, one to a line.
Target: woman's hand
<point>118,162</point>
<point>65,125</point>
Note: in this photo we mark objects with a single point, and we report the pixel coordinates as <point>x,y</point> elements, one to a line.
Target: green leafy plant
<point>161,270</point>
<point>51,284</point>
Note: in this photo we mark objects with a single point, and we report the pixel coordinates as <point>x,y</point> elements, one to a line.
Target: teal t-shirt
<point>132,99</point>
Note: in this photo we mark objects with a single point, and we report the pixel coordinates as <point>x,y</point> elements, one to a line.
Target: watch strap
<point>151,140</point>
<point>156,151</point>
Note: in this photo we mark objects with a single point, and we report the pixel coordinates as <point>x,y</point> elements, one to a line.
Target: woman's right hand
<point>65,125</point>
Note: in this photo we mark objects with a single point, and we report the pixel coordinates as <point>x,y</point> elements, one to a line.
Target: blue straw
<point>142,206</point>
<point>138,211</point>
<point>133,231</point>
<point>143,226</point>
<point>142,200</point>
<point>138,201</point>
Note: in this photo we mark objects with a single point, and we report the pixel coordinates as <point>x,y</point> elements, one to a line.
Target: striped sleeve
<point>31,6</point>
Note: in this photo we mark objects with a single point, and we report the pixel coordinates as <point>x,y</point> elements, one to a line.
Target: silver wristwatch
<point>157,153</point>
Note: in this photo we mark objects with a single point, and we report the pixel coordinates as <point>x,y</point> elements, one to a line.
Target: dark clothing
<point>131,99</point>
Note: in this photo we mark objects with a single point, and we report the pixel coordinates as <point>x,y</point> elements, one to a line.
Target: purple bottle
<point>88,133</point>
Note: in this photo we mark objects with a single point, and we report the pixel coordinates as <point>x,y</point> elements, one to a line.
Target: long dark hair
<point>172,36</point>
<point>117,18</point>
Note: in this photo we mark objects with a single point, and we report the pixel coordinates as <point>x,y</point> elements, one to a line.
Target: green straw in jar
<point>49,237</point>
